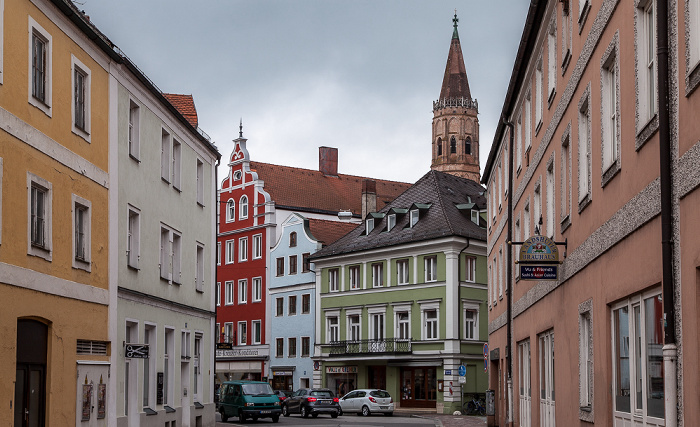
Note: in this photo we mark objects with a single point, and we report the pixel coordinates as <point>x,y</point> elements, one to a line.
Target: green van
<point>248,399</point>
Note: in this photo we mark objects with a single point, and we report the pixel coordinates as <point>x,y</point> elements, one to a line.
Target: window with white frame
<point>475,216</point>
<point>257,289</point>
<point>306,304</point>
<point>218,332</point>
<point>293,261</point>
<point>197,381</point>
<point>499,176</point>
<point>218,253</point>
<point>243,207</point>
<point>133,237</point>
<point>610,113</point>
<point>584,147</point>
<point>305,346</point>
<point>228,332</point>
<point>279,306</point>
<point>176,257</point>
<point>566,26</point>
<point>279,347</point>
<point>549,195</point>
<point>517,237</point>
<point>218,293</point>
<point>390,222</point>
<point>243,249</point>
<point>376,327</point>
<point>693,30</point>
<point>583,6</point>
<point>538,94</point>
<point>229,292</point>
<point>292,347</point>
<point>646,62</point>
<point>565,169</point>
<point>333,279</point>
<point>332,329</point>
<point>243,291</point>
<point>354,272</point>
<point>280,266</point>
<point>369,225</point>
<point>40,67</point>
<point>230,256</point>
<point>519,143</point>
<point>39,216</point>
<point>403,322</point>
<point>292,309</point>
<point>134,130</point>
<point>491,284</point>
<point>402,271</point>
<point>495,281</point>
<point>500,272</point>
<point>81,98</point>
<point>82,218</point>
<point>430,323</point>
<point>257,246</point>
<point>470,268</point>
<point>552,59</point>
<point>585,359</point>
<point>257,331</point>
<point>413,217</point>
<point>177,164</point>
<point>528,124</point>
<point>471,321</point>
<point>292,239</point>
<point>149,368</point>
<point>354,327</point>
<point>524,373</point>
<point>377,274</point>
<point>200,183</point>
<point>170,254</point>
<point>165,145</point>
<point>199,268</point>
<point>547,384</point>
<point>169,365</point>
<point>537,206</point>
<point>230,210</point>
<point>430,268</point>
<point>242,333</point>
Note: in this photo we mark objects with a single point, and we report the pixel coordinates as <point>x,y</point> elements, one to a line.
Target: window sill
<point>165,180</point>
<point>551,97</point>
<point>43,106</point>
<point>583,203</point>
<point>610,173</point>
<point>692,79</point>
<point>40,252</point>
<point>538,127</point>
<point>646,132</point>
<point>81,133</point>
<point>584,15</point>
<point>134,158</point>
<point>133,267</point>
<point>80,264</point>
<point>565,224</point>
<point>566,61</point>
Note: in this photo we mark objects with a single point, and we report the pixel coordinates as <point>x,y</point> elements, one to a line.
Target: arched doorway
<point>30,385</point>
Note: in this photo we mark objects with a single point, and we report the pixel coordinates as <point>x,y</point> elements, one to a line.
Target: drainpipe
<point>509,273</point>
<point>217,333</point>
<point>666,178</point>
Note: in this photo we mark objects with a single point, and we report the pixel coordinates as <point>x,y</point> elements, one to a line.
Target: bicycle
<point>474,407</point>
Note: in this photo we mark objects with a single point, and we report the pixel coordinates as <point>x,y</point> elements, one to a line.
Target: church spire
<point>455,83</point>
<point>455,20</point>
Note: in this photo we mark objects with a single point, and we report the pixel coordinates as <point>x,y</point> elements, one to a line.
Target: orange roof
<point>328,232</point>
<point>185,105</point>
<point>312,191</point>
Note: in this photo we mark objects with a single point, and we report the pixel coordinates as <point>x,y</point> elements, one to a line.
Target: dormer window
<point>414,217</point>
<point>475,217</point>
<point>390,222</point>
<point>369,225</point>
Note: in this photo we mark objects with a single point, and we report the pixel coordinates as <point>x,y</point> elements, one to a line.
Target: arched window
<point>453,145</point>
<point>468,145</point>
<point>243,207</point>
<point>292,239</point>
<point>230,210</point>
<point>439,147</point>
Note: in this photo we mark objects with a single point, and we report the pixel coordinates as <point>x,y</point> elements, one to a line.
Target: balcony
<point>390,345</point>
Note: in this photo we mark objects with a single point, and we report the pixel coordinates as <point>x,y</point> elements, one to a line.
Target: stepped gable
<point>308,190</point>
<point>443,192</point>
<point>185,105</point>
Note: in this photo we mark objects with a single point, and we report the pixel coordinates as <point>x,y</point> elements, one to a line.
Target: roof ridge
<point>442,201</point>
<point>339,174</point>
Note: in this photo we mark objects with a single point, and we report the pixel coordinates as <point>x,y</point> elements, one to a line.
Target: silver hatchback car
<point>367,401</point>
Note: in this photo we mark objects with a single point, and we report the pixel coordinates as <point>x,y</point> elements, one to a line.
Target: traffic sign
<point>448,371</point>
<point>486,350</point>
<point>462,370</point>
<point>462,380</point>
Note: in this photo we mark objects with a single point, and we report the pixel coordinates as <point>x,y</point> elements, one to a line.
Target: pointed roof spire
<point>455,83</point>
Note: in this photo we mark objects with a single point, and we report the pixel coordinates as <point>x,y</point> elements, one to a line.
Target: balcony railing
<point>390,345</point>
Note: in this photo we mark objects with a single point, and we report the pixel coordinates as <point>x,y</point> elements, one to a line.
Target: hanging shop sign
<point>539,259</point>
<point>341,369</point>
<point>136,351</point>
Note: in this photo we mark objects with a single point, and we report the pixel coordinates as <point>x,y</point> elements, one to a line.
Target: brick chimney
<point>328,161</point>
<point>369,197</point>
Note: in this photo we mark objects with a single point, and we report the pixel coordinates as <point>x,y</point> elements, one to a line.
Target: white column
<point>451,297</point>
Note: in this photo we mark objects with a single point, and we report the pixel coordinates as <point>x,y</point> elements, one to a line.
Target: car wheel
<point>224,417</point>
<point>285,410</point>
<point>389,414</point>
<point>314,415</point>
<point>334,415</point>
<point>275,418</point>
<point>241,416</point>
<point>304,412</point>
<point>365,411</point>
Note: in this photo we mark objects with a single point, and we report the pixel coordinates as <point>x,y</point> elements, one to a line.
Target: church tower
<point>455,122</point>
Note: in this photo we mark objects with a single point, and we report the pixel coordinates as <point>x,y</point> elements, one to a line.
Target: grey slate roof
<point>440,191</point>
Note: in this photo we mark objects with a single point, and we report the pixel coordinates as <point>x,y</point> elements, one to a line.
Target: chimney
<point>328,161</point>
<point>369,197</point>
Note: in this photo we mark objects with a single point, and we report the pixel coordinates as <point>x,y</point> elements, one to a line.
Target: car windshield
<point>322,393</point>
<point>379,393</point>
<point>257,389</point>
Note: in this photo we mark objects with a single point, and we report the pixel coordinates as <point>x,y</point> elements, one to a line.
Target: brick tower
<point>455,123</point>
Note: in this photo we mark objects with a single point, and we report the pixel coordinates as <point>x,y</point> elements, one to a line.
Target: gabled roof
<point>185,105</point>
<point>308,190</point>
<point>440,193</point>
<point>327,232</point>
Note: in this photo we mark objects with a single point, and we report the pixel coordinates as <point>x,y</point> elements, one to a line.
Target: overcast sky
<point>358,75</point>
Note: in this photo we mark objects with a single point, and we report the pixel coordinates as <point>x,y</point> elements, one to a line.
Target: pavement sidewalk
<point>454,420</point>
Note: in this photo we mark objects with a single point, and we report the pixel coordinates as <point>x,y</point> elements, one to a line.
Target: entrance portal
<point>30,385</point>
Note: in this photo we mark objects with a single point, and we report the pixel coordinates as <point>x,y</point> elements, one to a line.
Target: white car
<point>366,401</point>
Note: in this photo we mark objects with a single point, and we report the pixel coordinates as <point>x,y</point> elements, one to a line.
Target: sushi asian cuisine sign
<point>539,259</point>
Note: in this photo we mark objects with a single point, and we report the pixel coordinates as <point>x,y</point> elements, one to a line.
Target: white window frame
<point>243,291</point>
<point>585,359</point>
<point>547,381</point>
<point>257,246</point>
<point>230,254</point>
<point>414,217</point>
<point>177,164</point>
<point>430,332</point>
<point>402,272</point>
<point>230,210</point>
<point>369,225</point>
<point>473,324</point>
<point>45,249</point>
<point>279,306</point>
<point>242,335</point>
<point>279,347</point>
<point>390,222</point>
<point>305,346</point>
<point>565,176</point>
<point>377,274</point>
<point>170,254</point>
<point>693,40</point>
<point>500,273</point>
<point>218,294</point>
<point>78,203</point>
<point>519,143</point>
<point>552,60</point>
<point>377,324</point>
<point>333,284</point>
<point>537,204</point>
<point>149,365</point>
<point>306,310</point>
<point>332,327</point>
<point>539,88</point>
<point>165,147</point>
<point>134,130</point>
<point>528,121</point>
<point>257,330</point>
<point>228,332</point>
<point>524,381</point>
<point>610,114</point>
<point>257,289</point>
<point>228,289</point>
<point>398,310</point>
<point>218,253</point>
<point>78,67</point>
<point>197,380</point>
<point>354,329</point>
<point>431,265</point>
<point>242,249</point>
<point>584,148</point>
<point>292,305</point>
<point>470,268</point>
<point>199,267</point>
<point>549,198</point>
<point>133,237</point>
<point>200,182</point>
<point>354,273</point>
<point>243,207</point>
<point>169,364</point>
<point>45,104</point>
<point>646,62</point>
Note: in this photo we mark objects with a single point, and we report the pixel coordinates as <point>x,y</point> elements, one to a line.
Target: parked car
<point>367,401</point>
<point>248,399</point>
<point>283,394</point>
<point>311,401</point>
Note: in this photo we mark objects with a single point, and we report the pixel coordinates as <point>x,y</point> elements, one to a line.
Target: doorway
<point>30,385</point>
<point>419,387</point>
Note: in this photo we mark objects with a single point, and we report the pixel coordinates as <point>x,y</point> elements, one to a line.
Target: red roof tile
<point>328,232</point>
<point>310,190</point>
<point>185,105</point>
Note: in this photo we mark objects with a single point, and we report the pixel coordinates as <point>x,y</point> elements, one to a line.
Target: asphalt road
<point>327,421</point>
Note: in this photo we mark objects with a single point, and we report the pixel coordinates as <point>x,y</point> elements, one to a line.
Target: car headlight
<point>276,404</point>
<point>249,404</point>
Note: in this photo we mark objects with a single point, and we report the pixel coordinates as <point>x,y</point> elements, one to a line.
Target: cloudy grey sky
<point>358,75</point>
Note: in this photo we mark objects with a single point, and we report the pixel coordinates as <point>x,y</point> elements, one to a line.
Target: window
<point>306,304</point>
<point>242,333</point>
<point>470,268</point>
<point>133,237</point>
<point>390,222</point>
<point>552,60</point>
<point>279,347</point>
<point>528,126</point>
<point>218,332</point>
<point>519,143</point>
<point>500,272</point>
<point>413,217</point>
<point>292,352</point>
<point>177,164</point>
<point>280,266</point>
<point>524,381</point>
<point>453,145</point>
<point>693,25</point>
<point>354,327</point>
<point>376,330</point>
<point>279,305</point>
<point>547,384</point>
<point>292,264</point>
<point>199,269</point>
<point>243,207</point>
<point>292,239</point>
<point>584,150</point>
<point>169,364</point>
<point>468,145</point>
<point>305,346</point>
<point>81,98</point>
<point>430,268</point>
<point>40,207</point>
<point>257,246</point>
<point>537,206</point>
<point>200,184</point>
<point>198,367</point>
<point>257,331</point>
<point>565,169</point>
<point>526,221</point>
<point>500,183</point>
<point>538,95</point>
<point>646,62</point>
<point>430,322</point>
<point>170,254</point>
<point>550,199</point>
<point>82,212</point>
<point>333,279</point>
<point>243,291</point>
<point>40,64</point>
<point>354,277</point>
<point>403,325</point>
<point>333,329</point>
<point>377,274</point>
<point>610,119</point>
<point>257,289</point>
<point>243,249</point>
<point>305,262</point>
<point>165,155</point>
<point>230,210</point>
<point>218,294</point>
<point>471,321</point>
<point>134,130</point>
<point>229,293</point>
<point>228,332</point>
<point>369,225</point>
<point>292,305</point>
<point>229,251</point>
<point>585,357</point>
<point>176,258</point>
<point>149,367</point>
<point>402,271</point>
<point>495,281</point>
<point>566,35</point>
<point>237,175</point>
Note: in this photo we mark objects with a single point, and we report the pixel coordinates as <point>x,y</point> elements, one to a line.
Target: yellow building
<point>53,210</point>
